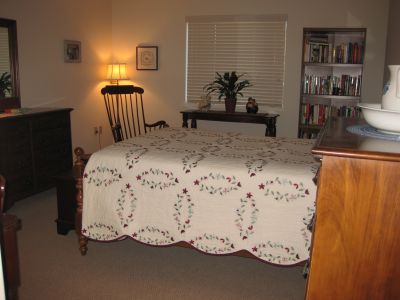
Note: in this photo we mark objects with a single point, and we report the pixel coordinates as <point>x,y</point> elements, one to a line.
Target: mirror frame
<point>14,101</point>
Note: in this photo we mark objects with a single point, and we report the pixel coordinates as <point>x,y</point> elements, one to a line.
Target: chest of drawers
<point>35,146</point>
<point>356,240</point>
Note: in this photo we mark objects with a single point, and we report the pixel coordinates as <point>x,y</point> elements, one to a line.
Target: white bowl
<point>384,120</point>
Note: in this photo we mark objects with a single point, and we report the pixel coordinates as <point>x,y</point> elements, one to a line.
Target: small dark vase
<point>230,105</point>
<point>252,106</point>
<point>252,109</point>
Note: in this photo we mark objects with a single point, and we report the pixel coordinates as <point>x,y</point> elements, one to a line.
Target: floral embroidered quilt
<point>220,192</point>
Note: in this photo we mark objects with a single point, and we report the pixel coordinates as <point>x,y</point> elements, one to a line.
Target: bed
<point>219,193</point>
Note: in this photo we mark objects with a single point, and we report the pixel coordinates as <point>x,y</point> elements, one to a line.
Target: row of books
<point>346,111</point>
<point>320,52</point>
<point>344,85</point>
<point>317,114</point>
<point>308,135</point>
<point>314,114</point>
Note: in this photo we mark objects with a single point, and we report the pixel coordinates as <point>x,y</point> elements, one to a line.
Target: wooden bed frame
<point>79,166</point>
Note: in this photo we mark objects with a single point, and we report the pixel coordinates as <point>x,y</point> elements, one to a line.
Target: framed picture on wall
<point>72,51</point>
<point>147,58</point>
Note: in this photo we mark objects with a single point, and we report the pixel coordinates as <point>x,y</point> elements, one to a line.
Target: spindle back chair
<point>125,111</point>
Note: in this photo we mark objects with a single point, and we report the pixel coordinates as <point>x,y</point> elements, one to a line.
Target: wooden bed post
<point>79,168</point>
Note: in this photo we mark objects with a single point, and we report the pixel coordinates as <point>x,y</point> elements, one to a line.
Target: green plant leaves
<point>5,83</point>
<point>227,85</point>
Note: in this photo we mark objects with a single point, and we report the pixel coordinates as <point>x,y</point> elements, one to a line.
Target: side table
<point>269,120</point>
<point>66,204</point>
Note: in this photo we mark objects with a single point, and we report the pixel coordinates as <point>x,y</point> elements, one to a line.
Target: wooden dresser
<point>35,145</point>
<point>356,241</point>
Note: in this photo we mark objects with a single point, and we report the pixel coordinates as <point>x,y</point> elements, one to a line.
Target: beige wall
<point>45,79</point>
<point>162,23</point>
<point>393,38</point>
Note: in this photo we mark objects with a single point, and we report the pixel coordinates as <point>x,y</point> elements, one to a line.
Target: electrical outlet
<point>96,130</point>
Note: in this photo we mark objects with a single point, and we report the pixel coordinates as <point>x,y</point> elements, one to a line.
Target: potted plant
<point>5,84</point>
<point>228,86</point>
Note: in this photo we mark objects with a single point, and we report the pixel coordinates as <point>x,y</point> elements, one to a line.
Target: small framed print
<point>72,51</point>
<point>146,58</point>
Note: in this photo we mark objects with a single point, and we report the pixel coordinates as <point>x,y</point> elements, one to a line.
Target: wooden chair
<point>9,226</point>
<point>125,111</point>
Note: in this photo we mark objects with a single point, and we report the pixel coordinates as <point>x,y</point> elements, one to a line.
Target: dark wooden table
<point>269,120</point>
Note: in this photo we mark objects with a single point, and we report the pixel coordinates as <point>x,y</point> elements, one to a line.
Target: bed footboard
<point>79,167</point>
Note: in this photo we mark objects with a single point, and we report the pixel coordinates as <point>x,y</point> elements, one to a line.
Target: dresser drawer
<point>34,147</point>
<point>15,129</point>
<point>19,187</point>
<point>46,175</point>
<point>17,164</point>
<point>15,158</point>
<point>49,121</point>
<point>56,158</point>
<point>51,138</point>
<point>53,154</point>
<point>17,146</point>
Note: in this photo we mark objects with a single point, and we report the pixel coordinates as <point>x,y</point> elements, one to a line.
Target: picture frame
<point>72,51</point>
<point>147,58</point>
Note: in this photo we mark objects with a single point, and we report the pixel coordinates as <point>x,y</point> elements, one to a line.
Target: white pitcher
<point>391,96</point>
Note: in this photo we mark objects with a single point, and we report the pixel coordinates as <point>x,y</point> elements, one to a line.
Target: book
<point>314,52</point>
<point>306,57</point>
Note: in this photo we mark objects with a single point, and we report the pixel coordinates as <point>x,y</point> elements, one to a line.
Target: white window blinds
<point>4,51</point>
<point>254,45</point>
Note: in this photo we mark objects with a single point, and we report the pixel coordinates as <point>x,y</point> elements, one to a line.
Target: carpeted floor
<point>52,268</point>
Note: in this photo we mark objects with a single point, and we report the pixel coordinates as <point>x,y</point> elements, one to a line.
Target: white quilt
<point>220,192</point>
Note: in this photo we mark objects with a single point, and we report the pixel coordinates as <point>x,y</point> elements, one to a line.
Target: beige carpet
<point>52,268</point>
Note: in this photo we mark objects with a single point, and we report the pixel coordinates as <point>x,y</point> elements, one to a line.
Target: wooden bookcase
<point>331,76</point>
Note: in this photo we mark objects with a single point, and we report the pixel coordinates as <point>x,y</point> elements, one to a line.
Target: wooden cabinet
<point>356,239</point>
<point>35,146</point>
<point>332,69</point>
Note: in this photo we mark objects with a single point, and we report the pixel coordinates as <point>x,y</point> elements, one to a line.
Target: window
<point>4,51</point>
<point>254,45</point>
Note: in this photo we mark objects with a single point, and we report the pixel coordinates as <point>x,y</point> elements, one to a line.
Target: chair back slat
<point>141,103</point>
<point>126,114</point>
<point>137,114</point>
<point>113,115</point>
<point>132,115</point>
<point>122,100</point>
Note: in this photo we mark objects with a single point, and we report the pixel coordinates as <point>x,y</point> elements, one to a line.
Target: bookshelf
<point>331,76</point>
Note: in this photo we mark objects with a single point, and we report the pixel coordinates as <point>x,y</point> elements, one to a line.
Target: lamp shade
<point>116,71</point>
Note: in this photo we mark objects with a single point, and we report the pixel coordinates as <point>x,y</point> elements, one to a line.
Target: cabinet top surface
<point>223,113</point>
<point>337,30</point>
<point>27,112</point>
<point>335,140</point>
